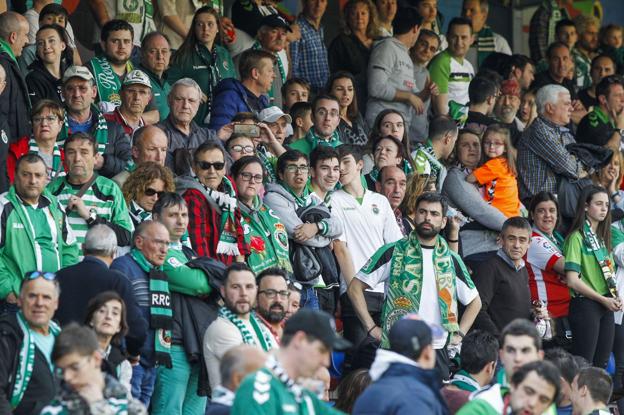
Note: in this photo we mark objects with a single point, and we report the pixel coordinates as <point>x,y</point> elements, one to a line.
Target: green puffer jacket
<point>19,253</point>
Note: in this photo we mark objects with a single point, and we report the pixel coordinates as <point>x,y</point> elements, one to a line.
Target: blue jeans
<point>142,383</point>
<point>309,298</point>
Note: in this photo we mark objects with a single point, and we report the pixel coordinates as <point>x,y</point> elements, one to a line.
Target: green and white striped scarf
<point>264,336</point>
<point>26,358</point>
<point>57,164</point>
<point>101,131</point>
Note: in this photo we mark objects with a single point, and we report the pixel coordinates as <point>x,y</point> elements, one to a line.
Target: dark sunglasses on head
<point>151,192</point>
<point>50,276</point>
<point>205,165</point>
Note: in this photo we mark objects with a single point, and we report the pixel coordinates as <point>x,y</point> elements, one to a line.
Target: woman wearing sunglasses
<point>143,188</point>
<point>264,233</point>
<point>214,226</point>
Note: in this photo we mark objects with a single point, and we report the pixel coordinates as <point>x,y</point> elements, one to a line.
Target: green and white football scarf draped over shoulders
<point>599,250</point>
<point>101,130</point>
<point>406,280</point>
<point>107,81</point>
<point>137,213</point>
<point>315,140</point>
<point>161,315</point>
<point>262,333</point>
<point>26,358</point>
<point>226,202</point>
<point>485,44</point>
<point>57,164</point>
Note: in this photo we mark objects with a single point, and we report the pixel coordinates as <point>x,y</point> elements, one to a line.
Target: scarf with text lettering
<point>161,315</point>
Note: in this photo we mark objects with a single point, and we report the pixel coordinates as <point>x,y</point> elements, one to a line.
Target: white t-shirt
<point>221,335</point>
<point>429,309</point>
<point>366,227</point>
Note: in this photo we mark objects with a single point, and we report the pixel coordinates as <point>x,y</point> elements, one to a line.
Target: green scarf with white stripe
<point>26,358</point>
<point>315,140</point>
<point>107,81</point>
<point>100,135</point>
<point>57,165</point>
<point>161,315</point>
<point>485,44</point>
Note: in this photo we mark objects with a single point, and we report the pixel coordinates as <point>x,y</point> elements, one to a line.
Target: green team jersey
<point>104,196</point>
<point>580,259</point>
<point>262,393</point>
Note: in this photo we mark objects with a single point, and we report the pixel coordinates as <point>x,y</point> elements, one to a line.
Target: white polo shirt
<point>366,227</point>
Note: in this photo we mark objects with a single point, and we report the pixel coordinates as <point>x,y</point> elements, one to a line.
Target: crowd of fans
<point>225,212</point>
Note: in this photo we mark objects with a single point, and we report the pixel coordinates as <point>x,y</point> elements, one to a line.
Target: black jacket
<point>42,84</point>
<point>41,388</point>
<point>83,281</point>
<point>14,103</point>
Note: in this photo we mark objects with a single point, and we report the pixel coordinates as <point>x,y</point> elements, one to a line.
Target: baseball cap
<point>76,71</point>
<point>272,114</point>
<point>137,77</point>
<point>318,324</point>
<point>275,20</point>
<point>410,335</point>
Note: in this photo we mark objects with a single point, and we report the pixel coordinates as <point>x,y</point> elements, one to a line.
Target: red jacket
<point>17,150</point>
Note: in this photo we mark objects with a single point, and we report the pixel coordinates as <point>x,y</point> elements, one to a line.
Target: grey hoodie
<point>465,197</point>
<point>390,68</point>
<point>284,205</point>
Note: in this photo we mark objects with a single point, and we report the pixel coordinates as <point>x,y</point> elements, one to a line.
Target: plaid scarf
<point>161,315</point>
<point>100,135</point>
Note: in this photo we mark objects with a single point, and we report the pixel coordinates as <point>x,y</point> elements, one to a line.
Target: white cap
<point>137,77</point>
<point>76,71</point>
<point>272,114</point>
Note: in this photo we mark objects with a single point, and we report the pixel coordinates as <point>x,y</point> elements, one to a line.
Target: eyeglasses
<point>248,177</point>
<point>205,165</point>
<point>242,149</point>
<point>50,276</point>
<point>151,192</point>
<point>74,367</point>
<point>50,119</point>
<point>292,168</point>
<point>272,293</point>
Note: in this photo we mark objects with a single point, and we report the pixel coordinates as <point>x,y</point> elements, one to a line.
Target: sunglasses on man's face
<point>151,192</point>
<point>205,165</point>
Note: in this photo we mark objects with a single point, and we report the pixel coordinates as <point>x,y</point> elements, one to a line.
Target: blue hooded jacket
<point>403,389</point>
<point>231,97</point>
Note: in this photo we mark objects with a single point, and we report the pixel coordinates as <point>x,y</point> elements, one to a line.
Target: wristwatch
<point>92,216</point>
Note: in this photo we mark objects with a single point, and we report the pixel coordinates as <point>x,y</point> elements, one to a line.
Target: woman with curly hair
<point>350,50</point>
<point>202,58</point>
<point>143,188</point>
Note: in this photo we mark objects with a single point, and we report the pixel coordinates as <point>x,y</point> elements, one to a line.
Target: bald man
<point>14,102</point>
<point>149,143</point>
<point>392,183</point>
<point>235,364</point>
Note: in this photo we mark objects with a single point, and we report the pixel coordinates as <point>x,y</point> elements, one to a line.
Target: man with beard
<point>507,106</point>
<point>431,280</point>
<point>237,323</point>
<point>110,69</point>
<point>503,280</point>
<point>585,49</point>
<point>272,301</point>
